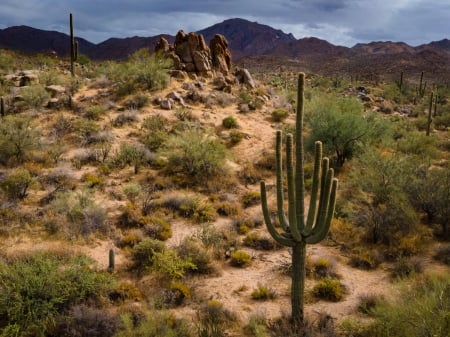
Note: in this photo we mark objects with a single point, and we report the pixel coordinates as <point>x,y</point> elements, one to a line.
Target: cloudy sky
<point>341,22</point>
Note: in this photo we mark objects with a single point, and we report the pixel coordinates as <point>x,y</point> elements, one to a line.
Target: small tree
<point>342,126</point>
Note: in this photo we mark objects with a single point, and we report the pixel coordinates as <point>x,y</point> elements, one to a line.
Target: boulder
<point>243,76</point>
<point>220,54</point>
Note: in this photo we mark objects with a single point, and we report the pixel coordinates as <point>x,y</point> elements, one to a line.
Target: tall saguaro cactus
<point>296,230</point>
<point>73,47</point>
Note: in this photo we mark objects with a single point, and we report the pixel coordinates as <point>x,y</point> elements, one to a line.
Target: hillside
<point>163,167</point>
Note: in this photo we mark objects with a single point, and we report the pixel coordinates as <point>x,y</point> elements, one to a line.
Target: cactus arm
<point>280,199</point>
<point>299,169</point>
<point>316,182</point>
<point>295,226</point>
<point>319,232</point>
<point>282,240</point>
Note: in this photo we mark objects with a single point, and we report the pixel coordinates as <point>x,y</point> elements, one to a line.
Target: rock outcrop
<point>191,54</point>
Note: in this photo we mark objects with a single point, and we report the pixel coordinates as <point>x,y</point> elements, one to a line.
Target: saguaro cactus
<point>2,107</point>
<point>296,230</point>
<point>73,47</point>
<point>112,260</point>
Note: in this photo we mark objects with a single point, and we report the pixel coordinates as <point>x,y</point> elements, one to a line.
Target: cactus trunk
<point>298,231</point>
<point>73,46</point>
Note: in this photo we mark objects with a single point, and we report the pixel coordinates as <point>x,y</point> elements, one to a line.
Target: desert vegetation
<point>93,162</point>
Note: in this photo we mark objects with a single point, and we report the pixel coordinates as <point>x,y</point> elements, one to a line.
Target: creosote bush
<point>240,258</point>
<point>263,293</point>
<point>36,288</point>
<point>329,289</point>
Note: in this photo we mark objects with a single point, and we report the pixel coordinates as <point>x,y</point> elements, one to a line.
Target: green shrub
<point>155,132</point>
<point>36,288</point>
<point>329,289</point>
<point>193,250</point>
<point>323,267</point>
<point>156,323</point>
<point>196,156</point>
<point>407,266</point>
<point>16,184</point>
<point>142,253</point>
<point>251,199</point>
<point>170,264</point>
<point>367,303</point>
<point>279,115</point>
<point>236,137</point>
<point>128,117</point>
<point>18,138</point>
<point>212,320</point>
<point>94,112</point>
<point>421,309</point>
<point>263,293</point>
<point>157,227</point>
<point>256,241</point>
<point>34,96</point>
<point>132,191</point>
<point>137,101</point>
<point>443,255</point>
<point>229,122</point>
<point>240,258</point>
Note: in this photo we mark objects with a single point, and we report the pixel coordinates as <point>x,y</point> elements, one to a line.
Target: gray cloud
<point>343,22</point>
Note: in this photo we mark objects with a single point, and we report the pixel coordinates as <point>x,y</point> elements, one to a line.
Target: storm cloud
<point>341,22</point>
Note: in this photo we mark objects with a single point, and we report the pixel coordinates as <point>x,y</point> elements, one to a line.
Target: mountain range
<point>257,45</point>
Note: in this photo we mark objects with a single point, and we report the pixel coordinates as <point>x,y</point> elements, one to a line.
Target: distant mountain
<point>252,43</point>
<point>247,38</point>
<point>32,40</point>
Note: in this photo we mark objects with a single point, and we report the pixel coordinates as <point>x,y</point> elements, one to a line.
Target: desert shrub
<point>86,131</point>
<point>18,138</point>
<point>443,254</point>
<point>263,293</point>
<point>94,112</point>
<point>140,71</point>
<point>155,132</point>
<point>209,235</point>
<point>212,320</point>
<point>184,114</point>
<point>137,101</point>
<point>283,326</point>
<point>196,156</point>
<point>132,191</point>
<point>367,303</point>
<point>124,118</point>
<point>240,258</point>
<point>420,310</point>
<point>175,294</point>
<point>364,260</point>
<point>256,326</point>
<point>62,126</point>
<point>34,96</point>
<point>82,320</point>
<point>190,206</point>
<point>251,198</point>
<point>418,144</point>
<point>329,289</point>
<point>129,239</point>
<point>257,241</point>
<point>169,264</point>
<point>157,227</point>
<point>92,180</point>
<point>228,208</point>
<point>156,323</point>
<point>134,154</point>
<point>244,224</point>
<point>249,174</point>
<point>193,250</point>
<point>229,122</point>
<point>16,184</point>
<point>323,268</point>
<point>37,287</point>
<point>142,253</point>
<point>83,215</point>
<point>406,267</point>
<point>236,137</point>
<point>279,115</point>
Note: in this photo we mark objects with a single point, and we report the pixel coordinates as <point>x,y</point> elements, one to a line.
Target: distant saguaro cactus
<point>112,263</point>
<point>296,231</point>
<point>2,107</point>
<point>73,47</point>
